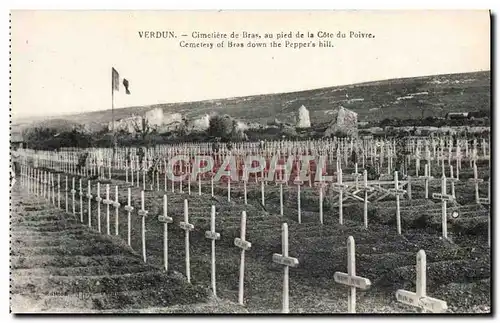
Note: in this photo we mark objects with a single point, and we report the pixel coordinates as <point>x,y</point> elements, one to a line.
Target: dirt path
<point>57,265</point>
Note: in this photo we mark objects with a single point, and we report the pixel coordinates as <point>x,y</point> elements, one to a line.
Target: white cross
<point>426,177</point>
<point>350,278</point>
<point>80,193</point>
<point>186,226</point>
<point>286,261</point>
<point>98,200</point>
<point>321,184</point>
<point>213,235</point>
<point>340,188</point>
<point>73,191</point>
<point>366,189</point>
<point>476,182</point>
<point>116,205</point>
<point>165,219</point>
<point>129,208</point>
<point>143,213</point>
<point>397,192</point>
<point>108,202</point>
<point>89,197</point>
<point>298,182</point>
<point>244,245</point>
<point>420,298</point>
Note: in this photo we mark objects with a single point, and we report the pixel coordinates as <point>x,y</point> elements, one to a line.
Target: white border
<point>6,5</point>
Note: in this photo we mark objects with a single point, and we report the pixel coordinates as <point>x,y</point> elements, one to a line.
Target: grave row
<point>42,184</point>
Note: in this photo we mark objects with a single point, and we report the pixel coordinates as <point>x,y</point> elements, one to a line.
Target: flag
<point>125,84</point>
<point>115,80</point>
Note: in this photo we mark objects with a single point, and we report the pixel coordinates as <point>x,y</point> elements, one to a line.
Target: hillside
<point>373,101</point>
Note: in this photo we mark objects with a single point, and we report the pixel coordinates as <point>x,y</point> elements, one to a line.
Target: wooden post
<point>98,200</point>
<point>129,208</point>
<point>143,213</point>
<point>199,184</point>
<point>397,192</point>
<point>476,182</point>
<point>340,187</point>
<point>116,205</point>
<point>452,180</point>
<point>350,279</point>
<point>53,189</point>
<point>321,184</point>
<point>298,182</point>
<point>213,235</point>
<point>186,226</point>
<point>286,261</point>
<point>262,198</point>
<point>81,199</point>
<point>281,182</point>
<point>126,171</point>
<point>426,178</point>
<point>89,197</point>
<point>444,198</point>
<point>211,184</point>
<point>229,189</point>
<point>58,191</point>
<point>165,219</point>
<point>408,187</point>
<point>108,202</point>
<point>73,191</point>
<point>244,245</point>
<point>366,189</point>
<point>420,298</point>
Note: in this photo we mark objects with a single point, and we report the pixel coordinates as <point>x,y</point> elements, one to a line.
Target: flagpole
<point>113,116</point>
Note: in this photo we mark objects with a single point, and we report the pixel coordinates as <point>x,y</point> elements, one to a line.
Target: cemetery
<point>378,233</point>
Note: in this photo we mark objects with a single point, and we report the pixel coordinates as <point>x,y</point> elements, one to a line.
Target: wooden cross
<point>89,197</point>
<point>143,213</point>
<point>262,179</point>
<point>213,235</point>
<point>366,189</point>
<point>476,182</point>
<point>165,219</point>
<point>350,278</point>
<point>243,245</point>
<point>73,191</point>
<point>116,205</point>
<point>108,202</point>
<point>98,200</point>
<point>59,191</point>
<point>321,184</point>
<point>80,193</point>
<point>53,189</point>
<point>452,179</point>
<point>420,298</point>
<point>426,177</point>
<point>129,208</point>
<point>298,182</point>
<point>286,261</point>
<point>397,192</point>
<point>186,226</point>
<point>340,188</point>
<point>281,181</point>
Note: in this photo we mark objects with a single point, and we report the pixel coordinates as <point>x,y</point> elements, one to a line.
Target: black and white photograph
<point>251,162</point>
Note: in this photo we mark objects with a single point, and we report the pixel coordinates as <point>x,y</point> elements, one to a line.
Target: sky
<point>61,60</point>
